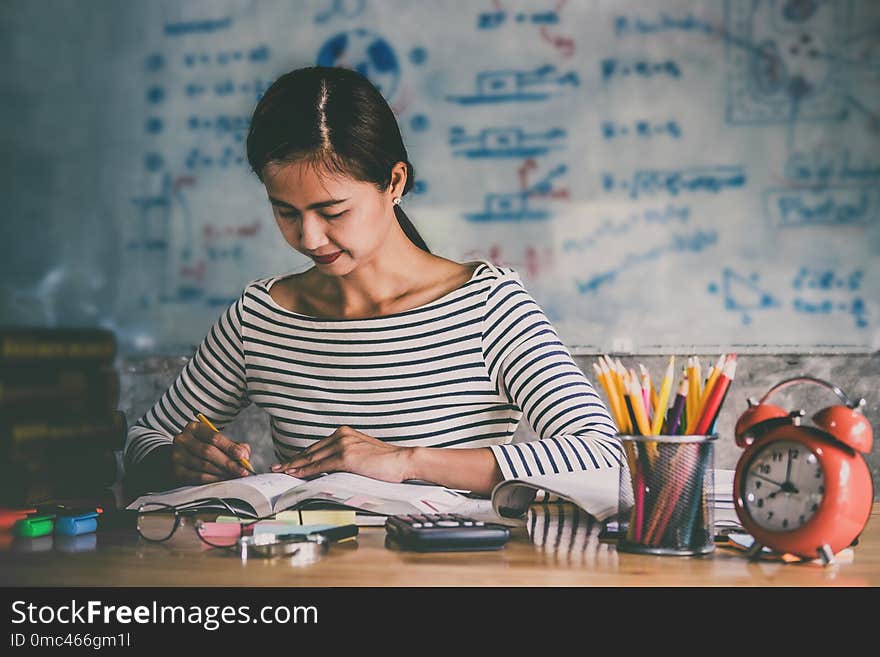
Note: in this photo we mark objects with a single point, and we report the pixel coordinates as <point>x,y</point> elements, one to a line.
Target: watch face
<point>783,486</point>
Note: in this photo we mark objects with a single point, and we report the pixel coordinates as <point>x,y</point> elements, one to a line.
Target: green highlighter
<point>39,524</point>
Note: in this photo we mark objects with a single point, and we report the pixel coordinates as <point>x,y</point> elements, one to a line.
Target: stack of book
<point>61,435</point>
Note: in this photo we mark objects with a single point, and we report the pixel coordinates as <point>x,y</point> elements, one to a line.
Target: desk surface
<point>554,553</point>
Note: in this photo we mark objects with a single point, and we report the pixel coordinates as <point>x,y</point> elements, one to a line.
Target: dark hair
<point>334,117</point>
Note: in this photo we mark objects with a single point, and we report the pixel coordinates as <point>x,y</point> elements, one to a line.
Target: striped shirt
<point>459,371</point>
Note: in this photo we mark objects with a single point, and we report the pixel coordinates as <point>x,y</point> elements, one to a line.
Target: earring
<point>396,200</point>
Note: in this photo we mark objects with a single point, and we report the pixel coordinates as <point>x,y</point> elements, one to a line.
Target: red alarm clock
<point>802,489</point>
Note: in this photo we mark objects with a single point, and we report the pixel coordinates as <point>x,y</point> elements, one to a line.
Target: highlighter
<point>75,523</point>
<point>34,525</point>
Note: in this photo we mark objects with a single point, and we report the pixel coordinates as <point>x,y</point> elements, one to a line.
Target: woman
<point>382,354</point>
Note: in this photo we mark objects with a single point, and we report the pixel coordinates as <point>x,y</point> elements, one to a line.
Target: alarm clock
<point>803,489</point>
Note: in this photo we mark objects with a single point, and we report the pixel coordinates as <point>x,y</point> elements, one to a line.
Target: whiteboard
<point>664,176</point>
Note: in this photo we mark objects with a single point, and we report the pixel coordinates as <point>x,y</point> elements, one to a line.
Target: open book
<point>595,492</point>
<point>266,494</point>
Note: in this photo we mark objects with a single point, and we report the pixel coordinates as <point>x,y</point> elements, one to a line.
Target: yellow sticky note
<point>318,516</point>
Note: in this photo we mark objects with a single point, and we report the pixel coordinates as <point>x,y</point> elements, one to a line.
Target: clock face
<point>783,486</point>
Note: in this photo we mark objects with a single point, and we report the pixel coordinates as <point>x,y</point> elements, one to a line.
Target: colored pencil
<point>693,399</point>
<point>711,429</point>
<point>714,373</point>
<point>620,418</point>
<point>702,395</point>
<point>689,372</point>
<point>602,377</point>
<point>631,414</point>
<point>638,405</point>
<point>713,403</point>
<point>655,399</point>
<point>615,384</point>
<point>663,398</point>
<point>678,408</point>
<point>649,446</point>
<point>646,391</point>
<point>720,406</point>
<point>640,506</point>
<point>242,460</point>
<point>616,381</point>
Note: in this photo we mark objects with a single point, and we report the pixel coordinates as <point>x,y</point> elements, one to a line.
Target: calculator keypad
<point>439,520</point>
<point>445,532</point>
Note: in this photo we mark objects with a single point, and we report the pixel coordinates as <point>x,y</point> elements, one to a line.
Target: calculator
<point>443,532</point>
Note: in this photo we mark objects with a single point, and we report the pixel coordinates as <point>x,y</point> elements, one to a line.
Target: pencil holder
<point>666,495</point>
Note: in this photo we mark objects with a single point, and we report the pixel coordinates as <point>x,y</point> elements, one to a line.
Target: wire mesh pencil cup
<point>666,503</point>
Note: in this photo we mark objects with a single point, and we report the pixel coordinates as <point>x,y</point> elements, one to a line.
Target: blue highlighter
<point>76,523</point>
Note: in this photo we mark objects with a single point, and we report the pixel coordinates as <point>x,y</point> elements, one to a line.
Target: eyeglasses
<point>157,522</point>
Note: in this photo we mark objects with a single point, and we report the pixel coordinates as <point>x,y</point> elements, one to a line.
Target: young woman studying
<point>382,356</point>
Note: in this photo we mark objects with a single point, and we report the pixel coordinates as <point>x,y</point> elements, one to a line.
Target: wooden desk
<point>568,558</point>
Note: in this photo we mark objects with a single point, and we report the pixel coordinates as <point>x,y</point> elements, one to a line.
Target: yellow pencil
<point>608,368</point>
<point>242,460</point>
<point>710,384</point>
<point>641,417</point>
<point>602,377</point>
<point>693,398</point>
<point>616,382</point>
<point>638,404</point>
<point>663,398</point>
<point>655,400</point>
<point>647,389</point>
<point>622,378</point>
<point>714,373</point>
<point>704,394</point>
<point>620,368</point>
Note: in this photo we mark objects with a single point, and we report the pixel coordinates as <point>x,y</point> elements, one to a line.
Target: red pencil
<point>713,401</point>
<point>640,504</point>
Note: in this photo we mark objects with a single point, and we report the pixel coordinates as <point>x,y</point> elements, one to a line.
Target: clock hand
<point>787,487</point>
<point>775,483</point>
<point>788,469</point>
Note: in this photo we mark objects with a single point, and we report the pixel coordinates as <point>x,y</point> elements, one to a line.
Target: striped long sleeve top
<point>459,371</point>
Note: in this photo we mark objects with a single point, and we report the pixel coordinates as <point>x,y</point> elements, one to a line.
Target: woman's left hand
<point>349,450</point>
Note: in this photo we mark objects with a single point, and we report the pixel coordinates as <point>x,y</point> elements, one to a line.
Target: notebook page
<point>373,495</point>
<point>251,489</point>
<point>595,492</point>
<point>271,484</point>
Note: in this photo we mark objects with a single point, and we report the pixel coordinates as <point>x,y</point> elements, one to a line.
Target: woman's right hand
<point>200,455</point>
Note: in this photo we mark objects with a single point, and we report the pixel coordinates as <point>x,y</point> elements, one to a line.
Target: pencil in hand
<point>247,465</point>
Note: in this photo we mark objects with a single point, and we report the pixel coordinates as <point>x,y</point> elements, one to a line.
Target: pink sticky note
<point>218,529</point>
